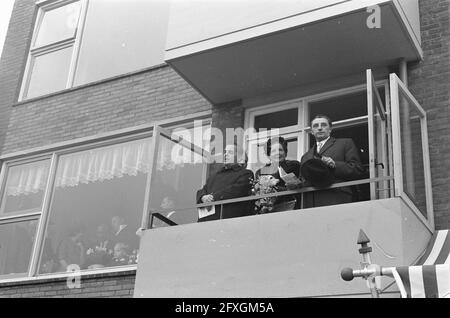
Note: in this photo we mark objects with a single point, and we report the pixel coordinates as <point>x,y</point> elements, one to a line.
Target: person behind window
<point>101,249</point>
<point>121,255</point>
<point>231,181</point>
<point>123,233</point>
<point>71,250</point>
<point>339,156</point>
<point>277,149</point>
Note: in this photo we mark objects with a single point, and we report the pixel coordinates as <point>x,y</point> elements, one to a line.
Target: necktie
<point>319,146</point>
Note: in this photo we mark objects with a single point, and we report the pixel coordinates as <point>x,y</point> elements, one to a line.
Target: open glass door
<point>179,169</point>
<point>410,151</point>
<point>379,165</point>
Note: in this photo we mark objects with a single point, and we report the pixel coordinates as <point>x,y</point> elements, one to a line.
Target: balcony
<point>300,253</point>
<point>231,50</point>
<point>289,254</point>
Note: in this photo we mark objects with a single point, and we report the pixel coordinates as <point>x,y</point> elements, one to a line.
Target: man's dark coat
<point>228,183</point>
<point>348,167</point>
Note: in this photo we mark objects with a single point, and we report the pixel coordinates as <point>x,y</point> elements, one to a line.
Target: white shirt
<point>321,143</point>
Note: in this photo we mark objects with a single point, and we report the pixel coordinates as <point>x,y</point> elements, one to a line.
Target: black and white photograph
<point>225,155</point>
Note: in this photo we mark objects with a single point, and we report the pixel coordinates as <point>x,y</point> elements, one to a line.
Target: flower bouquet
<point>265,184</point>
<point>98,256</point>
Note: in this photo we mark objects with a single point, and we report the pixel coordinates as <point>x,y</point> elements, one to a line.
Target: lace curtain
<point>97,165</point>
<point>28,178</point>
<point>104,163</point>
<point>84,167</point>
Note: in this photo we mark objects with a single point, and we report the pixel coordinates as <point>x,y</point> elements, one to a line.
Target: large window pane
<point>180,172</point>
<point>97,207</point>
<point>16,244</point>
<point>121,37</point>
<point>49,72</point>
<point>58,24</point>
<point>412,154</point>
<point>342,107</point>
<point>24,188</point>
<point>284,118</point>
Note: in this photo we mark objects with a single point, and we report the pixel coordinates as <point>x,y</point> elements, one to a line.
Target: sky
<point>5,13</point>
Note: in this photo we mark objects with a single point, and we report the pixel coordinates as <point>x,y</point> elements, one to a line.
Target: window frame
<point>302,129</point>
<point>21,217</point>
<point>399,88</point>
<point>74,42</point>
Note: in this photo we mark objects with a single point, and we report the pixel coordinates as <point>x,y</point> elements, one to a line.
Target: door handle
<point>380,164</point>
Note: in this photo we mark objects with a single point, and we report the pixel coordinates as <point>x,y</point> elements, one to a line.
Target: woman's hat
<point>317,173</point>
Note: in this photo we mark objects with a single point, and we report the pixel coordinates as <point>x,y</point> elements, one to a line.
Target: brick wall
<point>429,81</point>
<point>117,285</point>
<point>13,58</point>
<point>106,106</point>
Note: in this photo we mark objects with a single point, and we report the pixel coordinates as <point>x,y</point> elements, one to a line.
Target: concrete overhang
<point>332,42</point>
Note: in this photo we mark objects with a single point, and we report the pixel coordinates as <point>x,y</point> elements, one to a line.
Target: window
<point>279,119</point>
<point>81,208</point>
<point>291,119</point>
<point>49,67</point>
<point>284,119</point>
<point>121,37</point>
<point>20,212</point>
<point>24,189</point>
<point>16,245</point>
<point>411,153</point>
<point>96,207</point>
<point>78,41</point>
<point>180,172</point>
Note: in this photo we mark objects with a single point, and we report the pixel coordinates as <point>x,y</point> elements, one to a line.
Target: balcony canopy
<point>227,59</point>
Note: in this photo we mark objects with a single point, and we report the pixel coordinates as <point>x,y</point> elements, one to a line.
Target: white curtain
<point>97,165</point>
<point>28,178</point>
<point>80,168</point>
<point>104,163</point>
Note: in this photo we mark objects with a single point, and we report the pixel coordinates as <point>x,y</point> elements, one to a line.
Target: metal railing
<point>159,213</point>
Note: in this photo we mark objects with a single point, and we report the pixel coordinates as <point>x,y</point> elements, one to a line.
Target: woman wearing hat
<point>276,149</point>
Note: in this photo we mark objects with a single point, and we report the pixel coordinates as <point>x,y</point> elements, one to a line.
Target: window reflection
<point>280,119</point>
<point>180,172</point>
<point>412,154</point>
<point>49,72</point>
<point>97,208</point>
<point>16,243</point>
<point>24,190</point>
<point>130,37</point>
<point>58,24</point>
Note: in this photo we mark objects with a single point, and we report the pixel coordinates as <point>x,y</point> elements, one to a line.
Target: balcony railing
<point>159,214</point>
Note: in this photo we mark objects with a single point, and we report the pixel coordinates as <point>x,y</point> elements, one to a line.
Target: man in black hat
<point>329,161</point>
<point>233,180</point>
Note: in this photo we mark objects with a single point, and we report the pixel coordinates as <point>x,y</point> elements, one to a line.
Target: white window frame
<point>73,42</point>
<point>303,104</point>
<point>397,88</point>
<point>24,216</point>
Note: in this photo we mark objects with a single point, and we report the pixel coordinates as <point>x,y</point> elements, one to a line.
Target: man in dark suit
<point>342,158</point>
<point>231,181</point>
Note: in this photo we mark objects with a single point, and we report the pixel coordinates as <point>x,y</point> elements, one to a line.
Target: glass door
<point>410,151</point>
<point>378,140</point>
<point>179,168</point>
